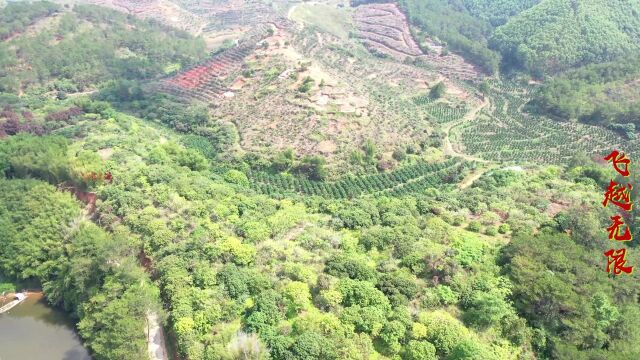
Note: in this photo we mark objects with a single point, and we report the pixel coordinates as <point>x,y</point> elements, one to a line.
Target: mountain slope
<point>556,34</point>
<point>498,12</point>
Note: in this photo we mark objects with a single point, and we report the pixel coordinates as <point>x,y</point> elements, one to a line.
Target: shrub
<point>193,160</point>
<point>437,91</point>
<point>306,85</point>
<point>491,231</point>
<point>474,226</point>
<point>420,350</point>
<point>504,228</point>
<point>236,177</point>
<point>399,154</point>
<point>445,331</point>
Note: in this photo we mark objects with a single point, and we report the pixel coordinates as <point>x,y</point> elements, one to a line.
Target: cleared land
<point>383,28</point>
<point>327,18</point>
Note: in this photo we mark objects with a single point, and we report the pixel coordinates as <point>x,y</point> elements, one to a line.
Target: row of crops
<point>204,82</point>
<point>224,14</point>
<point>443,113</point>
<point>415,113</point>
<point>407,179</point>
<point>507,134</point>
<point>510,87</point>
<point>437,111</point>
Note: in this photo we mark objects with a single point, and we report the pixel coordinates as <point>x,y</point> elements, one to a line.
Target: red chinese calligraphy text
<point>617,258</point>
<point>614,229</point>
<point>619,195</point>
<point>619,159</point>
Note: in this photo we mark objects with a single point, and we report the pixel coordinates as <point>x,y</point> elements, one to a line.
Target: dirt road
<point>155,338</point>
<point>448,146</point>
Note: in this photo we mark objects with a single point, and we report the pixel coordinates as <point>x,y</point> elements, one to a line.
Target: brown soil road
<point>448,146</point>
<point>155,338</point>
<point>450,150</point>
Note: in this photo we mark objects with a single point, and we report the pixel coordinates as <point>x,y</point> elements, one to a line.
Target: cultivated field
<point>383,29</point>
<point>163,11</point>
<point>374,87</point>
<point>505,133</point>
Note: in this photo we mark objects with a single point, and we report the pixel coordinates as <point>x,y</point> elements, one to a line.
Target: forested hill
<point>540,37</point>
<point>74,51</point>
<point>604,94</point>
<point>557,34</point>
<point>498,12</point>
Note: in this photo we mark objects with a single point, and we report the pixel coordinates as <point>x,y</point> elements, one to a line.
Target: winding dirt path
<point>155,338</point>
<point>448,146</point>
<point>475,175</point>
<point>450,150</point>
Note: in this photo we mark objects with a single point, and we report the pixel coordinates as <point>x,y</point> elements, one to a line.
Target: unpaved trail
<point>448,146</point>
<point>475,175</point>
<point>290,12</point>
<point>155,338</point>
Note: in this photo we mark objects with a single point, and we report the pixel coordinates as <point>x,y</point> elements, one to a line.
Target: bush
<point>399,154</point>
<point>420,350</point>
<point>470,350</point>
<point>504,228</point>
<point>353,268</point>
<point>441,295</point>
<point>486,309</point>
<point>306,85</point>
<point>437,91</point>
<point>474,226</point>
<point>7,288</point>
<point>236,177</point>
<point>313,167</point>
<point>445,331</point>
<point>193,160</point>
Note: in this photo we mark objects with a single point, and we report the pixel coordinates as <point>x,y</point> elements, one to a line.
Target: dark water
<point>35,331</point>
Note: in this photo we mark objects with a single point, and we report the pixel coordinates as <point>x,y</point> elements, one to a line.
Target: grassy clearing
<point>327,18</point>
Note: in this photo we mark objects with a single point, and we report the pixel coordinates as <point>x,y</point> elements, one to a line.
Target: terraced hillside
<point>506,133</point>
<point>400,182</point>
<point>352,97</point>
<point>368,98</point>
<point>207,18</point>
<point>383,28</point>
<point>208,81</point>
<point>163,11</point>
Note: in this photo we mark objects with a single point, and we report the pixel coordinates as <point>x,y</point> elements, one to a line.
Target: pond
<point>34,330</point>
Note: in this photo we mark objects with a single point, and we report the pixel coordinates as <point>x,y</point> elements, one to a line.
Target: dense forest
<point>587,50</point>
<point>314,278</point>
<point>246,257</point>
<point>18,16</point>
<point>87,47</point>
<point>89,272</point>
<point>556,35</point>
<point>540,37</point>
<point>457,28</point>
<point>604,94</point>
